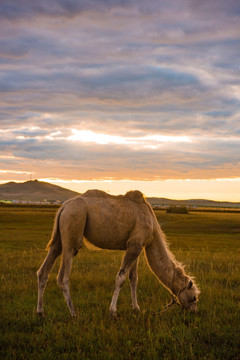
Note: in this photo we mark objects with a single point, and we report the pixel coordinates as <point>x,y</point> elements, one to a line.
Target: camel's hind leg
<point>133,278</point>
<point>72,225</point>
<point>64,277</point>
<point>43,273</point>
<point>131,255</point>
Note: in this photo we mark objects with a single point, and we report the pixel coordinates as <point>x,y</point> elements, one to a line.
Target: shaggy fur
<point>125,222</point>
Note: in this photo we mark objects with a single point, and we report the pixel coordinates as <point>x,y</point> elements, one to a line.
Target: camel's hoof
<point>113,314</point>
<point>40,313</point>
<point>136,310</point>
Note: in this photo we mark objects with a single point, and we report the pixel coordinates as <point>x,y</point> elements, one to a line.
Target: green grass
<point>207,243</point>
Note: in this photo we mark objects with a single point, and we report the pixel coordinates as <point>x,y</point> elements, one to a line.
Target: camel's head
<point>188,296</point>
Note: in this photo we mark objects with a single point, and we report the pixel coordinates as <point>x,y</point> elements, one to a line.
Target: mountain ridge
<point>192,202</point>
<point>35,190</point>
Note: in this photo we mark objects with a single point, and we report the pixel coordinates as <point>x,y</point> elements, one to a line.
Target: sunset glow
<point>144,141</point>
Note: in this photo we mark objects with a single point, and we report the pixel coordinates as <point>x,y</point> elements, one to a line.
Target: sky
<point>122,94</point>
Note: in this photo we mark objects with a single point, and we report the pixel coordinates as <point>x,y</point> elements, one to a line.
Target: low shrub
<point>177,210</point>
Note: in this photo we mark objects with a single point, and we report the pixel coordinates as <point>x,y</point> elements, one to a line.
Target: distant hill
<point>193,202</point>
<point>34,191</point>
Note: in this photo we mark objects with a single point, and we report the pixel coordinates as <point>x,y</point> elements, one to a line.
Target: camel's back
<point>111,219</point>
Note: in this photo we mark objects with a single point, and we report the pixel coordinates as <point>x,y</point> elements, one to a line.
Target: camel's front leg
<point>133,278</point>
<point>129,258</point>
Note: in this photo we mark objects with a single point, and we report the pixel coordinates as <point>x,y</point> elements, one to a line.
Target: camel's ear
<point>190,284</point>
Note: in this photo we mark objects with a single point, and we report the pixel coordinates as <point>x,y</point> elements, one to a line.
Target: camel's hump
<point>95,193</point>
<point>133,195</point>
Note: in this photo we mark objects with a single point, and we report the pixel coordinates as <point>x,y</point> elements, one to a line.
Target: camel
<point>125,222</point>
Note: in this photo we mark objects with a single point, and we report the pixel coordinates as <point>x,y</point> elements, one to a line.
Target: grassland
<point>208,243</point>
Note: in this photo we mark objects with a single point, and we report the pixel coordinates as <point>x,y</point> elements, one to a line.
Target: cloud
<point>131,70</point>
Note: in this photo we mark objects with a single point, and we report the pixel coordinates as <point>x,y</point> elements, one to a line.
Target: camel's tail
<point>56,236</point>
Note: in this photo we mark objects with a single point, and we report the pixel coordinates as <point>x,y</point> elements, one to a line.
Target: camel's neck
<point>163,264</point>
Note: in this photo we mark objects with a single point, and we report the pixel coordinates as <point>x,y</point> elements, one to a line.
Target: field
<point>207,243</point>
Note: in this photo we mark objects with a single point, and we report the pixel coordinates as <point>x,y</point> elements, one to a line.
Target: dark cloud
<point>25,8</point>
<point>118,80</point>
<point>30,133</point>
